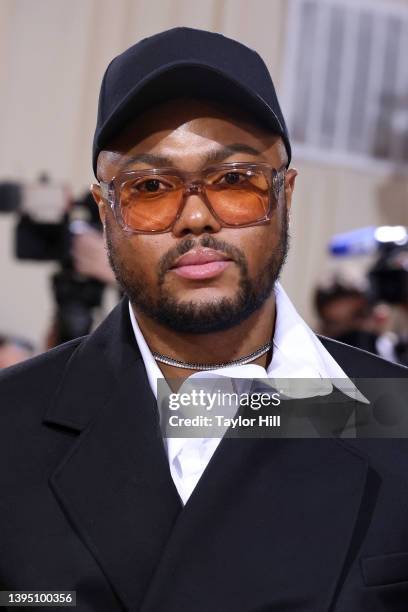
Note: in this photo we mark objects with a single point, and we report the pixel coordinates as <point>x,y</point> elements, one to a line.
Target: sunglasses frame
<point>194,182</point>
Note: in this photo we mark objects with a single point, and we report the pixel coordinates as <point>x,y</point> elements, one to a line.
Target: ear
<point>101,203</point>
<point>290,180</point>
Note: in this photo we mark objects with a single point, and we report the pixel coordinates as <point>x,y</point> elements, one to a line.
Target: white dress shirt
<point>297,353</point>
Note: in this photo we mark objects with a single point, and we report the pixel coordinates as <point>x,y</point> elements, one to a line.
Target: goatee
<point>202,317</point>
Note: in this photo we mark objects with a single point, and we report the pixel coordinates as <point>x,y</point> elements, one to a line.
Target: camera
<point>46,220</point>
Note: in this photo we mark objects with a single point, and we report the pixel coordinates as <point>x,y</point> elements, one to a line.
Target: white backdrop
<point>53,54</point>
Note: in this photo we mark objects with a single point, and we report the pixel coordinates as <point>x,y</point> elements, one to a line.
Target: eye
<point>233,178</point>
<point>149,185</point>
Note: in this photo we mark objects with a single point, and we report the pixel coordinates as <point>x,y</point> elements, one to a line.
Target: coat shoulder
<point>359,363</point>
<point>36,378</point>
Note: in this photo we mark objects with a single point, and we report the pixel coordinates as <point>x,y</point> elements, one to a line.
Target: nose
<point>196,217</point>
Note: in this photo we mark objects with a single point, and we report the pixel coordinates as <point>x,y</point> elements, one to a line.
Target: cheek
<point>259,245</point>
<point>142,255</point>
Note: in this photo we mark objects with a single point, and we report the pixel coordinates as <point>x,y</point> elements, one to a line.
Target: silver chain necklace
<point>212,366</point>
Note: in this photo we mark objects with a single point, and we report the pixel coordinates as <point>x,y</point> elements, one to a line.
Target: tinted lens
<point>150,203</point>
<point>239,196</point>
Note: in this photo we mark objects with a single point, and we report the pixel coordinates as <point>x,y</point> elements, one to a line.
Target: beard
<point>205,316</point>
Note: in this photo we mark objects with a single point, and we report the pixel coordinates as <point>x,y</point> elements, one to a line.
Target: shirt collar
<point>297,353</point>
<point>152,369</point>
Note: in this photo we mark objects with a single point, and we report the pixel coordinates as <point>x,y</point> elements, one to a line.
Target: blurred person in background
<point>194,187</point>
<point>14,350</point>
<point>89,262</point>
<point>388,279</point>
<point>346,313</point>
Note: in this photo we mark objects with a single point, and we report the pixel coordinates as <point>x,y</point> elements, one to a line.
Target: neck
<point>217,347</point>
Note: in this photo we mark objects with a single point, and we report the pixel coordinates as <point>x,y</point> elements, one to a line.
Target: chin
<point>204,293</point>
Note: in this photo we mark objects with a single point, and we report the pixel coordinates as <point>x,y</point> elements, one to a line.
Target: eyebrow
<point>213,157</point>
<point>222,153</point>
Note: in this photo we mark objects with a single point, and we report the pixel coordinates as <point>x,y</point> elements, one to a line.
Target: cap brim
<point>186,79</point>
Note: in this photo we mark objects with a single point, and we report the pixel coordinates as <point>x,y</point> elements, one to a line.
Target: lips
<point>200,256</point>
<point>201,264</point>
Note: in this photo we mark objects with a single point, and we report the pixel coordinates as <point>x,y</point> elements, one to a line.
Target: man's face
<point>189,134</point>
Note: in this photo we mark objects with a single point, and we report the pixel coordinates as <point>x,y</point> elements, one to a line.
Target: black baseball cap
<point>185,62</point>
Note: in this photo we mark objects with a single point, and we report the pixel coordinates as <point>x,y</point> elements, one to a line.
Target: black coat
<point>87,502</point>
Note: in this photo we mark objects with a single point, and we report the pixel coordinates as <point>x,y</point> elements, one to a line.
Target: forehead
<point>187,130</point>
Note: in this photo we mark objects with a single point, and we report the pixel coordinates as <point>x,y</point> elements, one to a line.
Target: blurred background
<point>340,70</point>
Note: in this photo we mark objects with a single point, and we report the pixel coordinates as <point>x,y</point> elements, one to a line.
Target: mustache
<point>207,241</point>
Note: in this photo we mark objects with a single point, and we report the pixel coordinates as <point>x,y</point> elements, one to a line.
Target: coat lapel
<point>114,485</point>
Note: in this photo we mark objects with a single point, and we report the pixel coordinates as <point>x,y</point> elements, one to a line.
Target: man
<point>194,190</point>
